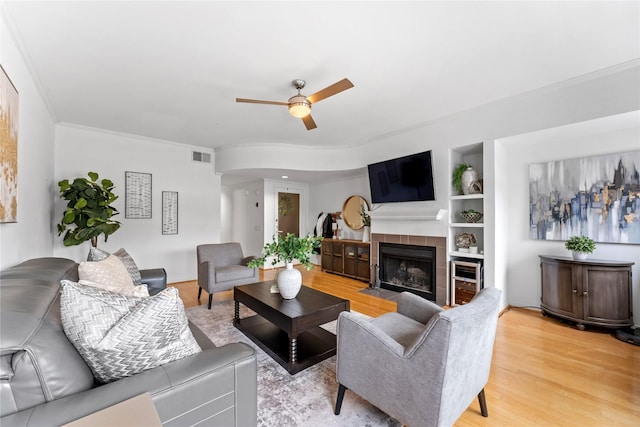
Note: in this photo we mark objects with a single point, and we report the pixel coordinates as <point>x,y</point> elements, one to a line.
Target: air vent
<point>198,156</point>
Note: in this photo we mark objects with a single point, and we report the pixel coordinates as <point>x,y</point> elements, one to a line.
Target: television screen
<point>405,179</point>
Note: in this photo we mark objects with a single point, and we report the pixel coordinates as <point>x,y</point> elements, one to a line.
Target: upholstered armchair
<point>221,266</point>
<point>422,365</point>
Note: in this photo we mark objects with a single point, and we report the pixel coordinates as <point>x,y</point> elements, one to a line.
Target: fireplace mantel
<point>409,215</point>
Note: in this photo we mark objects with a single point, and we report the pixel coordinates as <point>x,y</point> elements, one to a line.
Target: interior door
<point>288,213</point>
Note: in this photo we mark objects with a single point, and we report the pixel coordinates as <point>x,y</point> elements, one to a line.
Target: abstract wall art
<point>596,196</point>
<point>8,149</point>
<point>137,195</point>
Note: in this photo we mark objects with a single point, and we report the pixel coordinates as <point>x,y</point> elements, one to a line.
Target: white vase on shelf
<point>366,234</point>
<point>469,176</point>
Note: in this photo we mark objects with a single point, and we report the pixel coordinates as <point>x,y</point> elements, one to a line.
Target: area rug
<point>305,399</point>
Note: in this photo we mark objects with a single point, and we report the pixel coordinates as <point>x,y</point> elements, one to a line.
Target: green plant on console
<point>366,218</point>
<point>580,244</point>
<point>288,249</point>
<point>456,176</point>
<point>89,210</point>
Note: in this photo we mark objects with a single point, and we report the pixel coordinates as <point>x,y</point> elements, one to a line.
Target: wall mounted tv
<point>404,179</point>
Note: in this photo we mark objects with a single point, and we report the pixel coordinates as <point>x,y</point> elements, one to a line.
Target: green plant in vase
<point>89,211</point>
<point>456,176</point>
<point>580,246</point>
<point>287,249</point>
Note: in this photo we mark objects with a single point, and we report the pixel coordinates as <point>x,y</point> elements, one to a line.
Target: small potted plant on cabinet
<point>580,246</point>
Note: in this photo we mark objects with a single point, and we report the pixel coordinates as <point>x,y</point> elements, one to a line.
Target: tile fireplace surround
<point>441,256</point>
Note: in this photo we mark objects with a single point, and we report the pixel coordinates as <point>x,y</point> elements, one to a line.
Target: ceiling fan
<point>300,105</point>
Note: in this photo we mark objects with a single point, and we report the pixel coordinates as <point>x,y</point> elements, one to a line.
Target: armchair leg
<point>210,299</point>
<point>483,404</point>
<point>199,292</point>
<point>341,391</point>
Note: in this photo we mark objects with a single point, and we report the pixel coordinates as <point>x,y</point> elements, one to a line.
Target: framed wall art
<point>596,196</point>
<point>8,149</point>
<point>169,212</point>
<point>137,195</point>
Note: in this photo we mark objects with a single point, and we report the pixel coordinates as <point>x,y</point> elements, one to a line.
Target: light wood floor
<point>544,372</point>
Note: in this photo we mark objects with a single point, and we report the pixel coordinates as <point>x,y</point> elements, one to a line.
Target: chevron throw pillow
<point>119,335</point>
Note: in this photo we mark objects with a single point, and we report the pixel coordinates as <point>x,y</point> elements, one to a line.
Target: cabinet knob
<point>575,291</point>
<point>584,293</point>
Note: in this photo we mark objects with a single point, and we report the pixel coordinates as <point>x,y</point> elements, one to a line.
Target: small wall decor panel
<point>137,195</point>
<point>169,212</point>
<point>596,196</point>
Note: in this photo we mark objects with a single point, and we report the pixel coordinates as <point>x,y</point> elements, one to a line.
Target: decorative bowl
<point>471,216</point>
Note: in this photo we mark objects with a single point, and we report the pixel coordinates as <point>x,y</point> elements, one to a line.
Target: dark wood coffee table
<point>289,330</point>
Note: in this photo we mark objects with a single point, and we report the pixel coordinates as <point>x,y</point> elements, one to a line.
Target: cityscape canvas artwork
<point>597,197</point>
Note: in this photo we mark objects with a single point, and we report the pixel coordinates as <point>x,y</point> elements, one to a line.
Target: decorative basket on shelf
<point>471,216</point>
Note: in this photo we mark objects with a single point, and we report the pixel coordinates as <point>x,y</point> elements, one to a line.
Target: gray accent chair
<point>221,266</point>
<point>422,365</point>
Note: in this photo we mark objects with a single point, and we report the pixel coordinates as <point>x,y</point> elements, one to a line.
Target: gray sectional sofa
<point>45,382</point>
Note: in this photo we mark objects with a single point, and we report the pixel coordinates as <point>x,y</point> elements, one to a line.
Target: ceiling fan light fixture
<point>299,107</point>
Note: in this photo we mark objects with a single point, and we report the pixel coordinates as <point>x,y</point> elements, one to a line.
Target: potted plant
<point>456,177</point>
<point>580,246</point>
<point>89,212</point>
<point>288,249</point>
<point>366,222</point>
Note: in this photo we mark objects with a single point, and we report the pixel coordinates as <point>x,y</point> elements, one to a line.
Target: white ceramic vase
<point>580,256</point>
<point>469,176</point>
<point>289,282</point>
<point>366,234</point>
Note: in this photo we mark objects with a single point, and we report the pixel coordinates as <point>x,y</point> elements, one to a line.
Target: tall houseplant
<point>89,212</point>
<point>288,249</point>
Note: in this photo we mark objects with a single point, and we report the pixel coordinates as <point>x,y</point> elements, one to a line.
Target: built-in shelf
<point>468,196</point>
<point>466,255</point>
<point>467,224</point>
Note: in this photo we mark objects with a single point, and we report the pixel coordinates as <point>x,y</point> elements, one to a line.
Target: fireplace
<point>410,268</point>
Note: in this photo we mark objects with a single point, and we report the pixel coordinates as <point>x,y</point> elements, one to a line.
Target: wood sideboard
<point>590,292</point>
<point>346,257</point>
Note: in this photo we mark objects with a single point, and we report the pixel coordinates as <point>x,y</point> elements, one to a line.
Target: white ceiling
<point>172,70</point>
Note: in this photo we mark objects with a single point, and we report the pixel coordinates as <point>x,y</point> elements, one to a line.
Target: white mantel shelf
<point>416,215</point>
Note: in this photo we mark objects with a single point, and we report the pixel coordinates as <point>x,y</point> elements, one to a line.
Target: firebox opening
<point>408,268</point>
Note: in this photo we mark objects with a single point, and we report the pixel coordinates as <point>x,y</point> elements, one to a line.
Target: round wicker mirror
<point>351,212</point>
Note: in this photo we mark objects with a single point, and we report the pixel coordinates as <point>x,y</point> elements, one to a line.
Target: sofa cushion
<point>96,254</point>
<point>110,274</point>
<point>120,335</point>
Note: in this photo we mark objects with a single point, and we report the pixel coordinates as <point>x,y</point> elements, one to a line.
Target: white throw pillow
<point>119,335</point>
<point>110,274</point>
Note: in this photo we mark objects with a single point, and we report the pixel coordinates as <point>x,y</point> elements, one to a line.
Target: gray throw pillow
<point>119,335</point>
<point>96,254</point>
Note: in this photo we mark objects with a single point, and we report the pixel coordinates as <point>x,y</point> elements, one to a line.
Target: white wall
<point>244,217</point>
<point>79,150</point>
<point>32,235</point>
<point>602,136</point>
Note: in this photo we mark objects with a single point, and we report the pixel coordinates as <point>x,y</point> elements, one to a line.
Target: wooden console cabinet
<point>346,257</point>
<point>590,292</point>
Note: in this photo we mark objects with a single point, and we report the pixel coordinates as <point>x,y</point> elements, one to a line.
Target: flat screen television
<point>404,179</point>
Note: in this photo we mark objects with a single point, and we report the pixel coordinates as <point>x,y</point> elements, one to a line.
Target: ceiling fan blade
<point>308,122</point>
<point>328,91</point>
<point>257,101</point>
